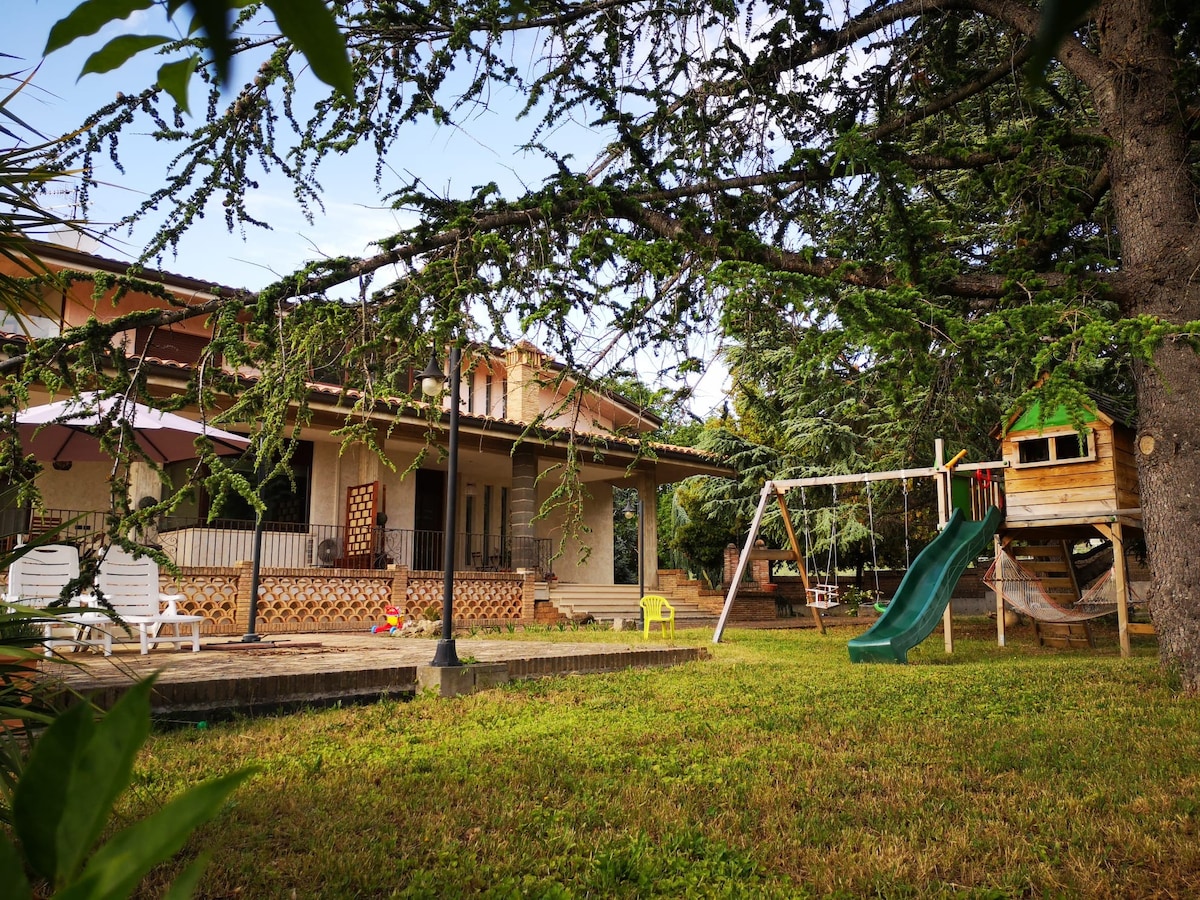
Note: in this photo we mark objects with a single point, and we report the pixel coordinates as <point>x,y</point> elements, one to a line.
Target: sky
<point>480,149</point>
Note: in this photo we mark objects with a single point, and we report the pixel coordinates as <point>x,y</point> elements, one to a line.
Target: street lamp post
<point>251,636</point>
<point>432,380</point>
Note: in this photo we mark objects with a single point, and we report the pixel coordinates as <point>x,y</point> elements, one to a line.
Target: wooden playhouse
<point>1064,487</point>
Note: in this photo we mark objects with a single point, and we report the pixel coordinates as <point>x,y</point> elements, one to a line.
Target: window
<point>176,346</point>
<point>287,499</point>
<point>1046,450</point>
<point>487,394</point>
<point>27,317</point>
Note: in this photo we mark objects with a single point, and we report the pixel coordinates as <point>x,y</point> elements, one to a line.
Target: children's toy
<point>392,623</point>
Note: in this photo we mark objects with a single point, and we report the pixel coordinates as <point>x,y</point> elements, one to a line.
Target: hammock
<point>1025,593</point>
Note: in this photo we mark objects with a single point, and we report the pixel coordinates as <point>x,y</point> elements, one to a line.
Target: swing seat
<point>822,596</point>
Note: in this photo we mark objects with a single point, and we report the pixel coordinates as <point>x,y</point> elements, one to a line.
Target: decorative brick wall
<point>208,591</point>
<point>478,597</point>
<point>316,600</point>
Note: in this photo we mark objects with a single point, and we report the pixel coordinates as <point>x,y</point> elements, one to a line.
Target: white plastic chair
<point>37,578</point>
<point>131,587</point>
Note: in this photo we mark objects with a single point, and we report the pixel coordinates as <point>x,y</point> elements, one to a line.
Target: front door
<point>429,519</point>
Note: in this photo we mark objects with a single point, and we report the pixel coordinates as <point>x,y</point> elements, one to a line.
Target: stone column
<point>143,482</point>
<point>648,495</point>
<point>523,506</point>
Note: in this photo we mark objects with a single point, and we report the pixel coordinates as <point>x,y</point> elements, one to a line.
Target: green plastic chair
<point>657,609</point>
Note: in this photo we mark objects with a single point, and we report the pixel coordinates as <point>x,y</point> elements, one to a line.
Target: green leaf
<point>40,801</point>
<point>12,873</point>
<point>88,18</point>
<point>312,28</point>
<point>185,884</point>
<point>102,770</point>
<point>174,78</point>
<point>214,20</point>
<point>120,864</point>
<point>119,51</point>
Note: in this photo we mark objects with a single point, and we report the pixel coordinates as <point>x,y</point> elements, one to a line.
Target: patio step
<point>608,602</point>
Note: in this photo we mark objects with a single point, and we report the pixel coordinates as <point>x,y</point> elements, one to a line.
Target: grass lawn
<point>774,769</point>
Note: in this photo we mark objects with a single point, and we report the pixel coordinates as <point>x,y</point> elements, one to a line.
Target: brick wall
<point>323,600</point>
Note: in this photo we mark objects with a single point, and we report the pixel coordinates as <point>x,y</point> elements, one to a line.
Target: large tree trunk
<point>1155,206</point>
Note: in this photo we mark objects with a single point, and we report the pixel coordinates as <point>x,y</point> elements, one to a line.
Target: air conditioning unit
<point>325,552</point>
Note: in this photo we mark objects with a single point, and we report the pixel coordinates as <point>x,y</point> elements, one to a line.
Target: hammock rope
<point>1025,593</point>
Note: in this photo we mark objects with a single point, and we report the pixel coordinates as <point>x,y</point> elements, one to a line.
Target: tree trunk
<point>1155,206</point>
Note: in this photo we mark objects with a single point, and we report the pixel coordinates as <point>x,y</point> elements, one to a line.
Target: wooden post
<point>1121,579</point>
<point>939,460</point>
<point>795,542</point>
<point>999,551</point>
<point>943,484</point>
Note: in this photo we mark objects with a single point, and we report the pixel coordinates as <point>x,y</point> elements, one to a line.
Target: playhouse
<point>1065,487</point>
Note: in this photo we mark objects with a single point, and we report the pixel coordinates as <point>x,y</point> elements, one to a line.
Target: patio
<point>291,671</point>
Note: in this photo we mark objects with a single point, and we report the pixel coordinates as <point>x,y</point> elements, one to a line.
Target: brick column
<point>525,370</point>
<point>241,614</point>
<point>399,596</point>
<point>523,505</point>
<point>760,569</point>
<point>528,597</point>
<point>731,560</point>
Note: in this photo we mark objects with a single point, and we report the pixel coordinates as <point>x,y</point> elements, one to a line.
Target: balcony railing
<point>190,541</point>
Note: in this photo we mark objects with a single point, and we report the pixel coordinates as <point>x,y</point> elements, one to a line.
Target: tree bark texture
<point>1155,205</point>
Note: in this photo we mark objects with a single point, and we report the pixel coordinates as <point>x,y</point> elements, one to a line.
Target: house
<point>367,532</point>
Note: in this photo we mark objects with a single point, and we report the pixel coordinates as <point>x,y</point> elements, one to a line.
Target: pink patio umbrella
<point>68,430</point>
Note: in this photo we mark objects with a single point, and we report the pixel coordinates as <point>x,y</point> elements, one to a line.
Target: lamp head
<point>432,378</point>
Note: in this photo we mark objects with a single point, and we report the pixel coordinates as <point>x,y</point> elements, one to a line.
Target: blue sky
<point>480,149</point>
<point>477,151</point>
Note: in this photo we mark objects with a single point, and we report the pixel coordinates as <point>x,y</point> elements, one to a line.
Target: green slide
<point>925,590</point>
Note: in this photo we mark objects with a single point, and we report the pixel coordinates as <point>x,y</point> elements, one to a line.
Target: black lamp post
<point>635,509</point>
<point>432,380</point>
<point>251,636</point>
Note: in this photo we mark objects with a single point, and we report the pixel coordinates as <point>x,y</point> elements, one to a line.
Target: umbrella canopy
<point>68,430</point>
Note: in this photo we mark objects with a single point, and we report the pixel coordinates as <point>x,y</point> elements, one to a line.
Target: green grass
<point>774,769</point>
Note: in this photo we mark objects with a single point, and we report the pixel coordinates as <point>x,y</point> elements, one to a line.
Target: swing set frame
<point>942,472</point>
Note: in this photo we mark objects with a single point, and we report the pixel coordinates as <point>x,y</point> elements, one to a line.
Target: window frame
<point>1051,440</point>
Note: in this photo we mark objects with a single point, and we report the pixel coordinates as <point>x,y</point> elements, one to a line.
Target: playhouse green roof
<point>1031,415</point>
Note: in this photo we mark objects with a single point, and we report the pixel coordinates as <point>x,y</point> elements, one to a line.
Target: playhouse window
<point>1055,448</point>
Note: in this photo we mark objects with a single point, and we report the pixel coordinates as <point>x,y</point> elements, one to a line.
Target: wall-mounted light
<point>470,489</point>
<point>61,465</point>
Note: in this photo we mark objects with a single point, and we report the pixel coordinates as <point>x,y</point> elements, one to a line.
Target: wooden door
<point>364,503</point>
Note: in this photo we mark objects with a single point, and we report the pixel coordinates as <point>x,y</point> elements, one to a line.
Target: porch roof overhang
<point>408,419</point>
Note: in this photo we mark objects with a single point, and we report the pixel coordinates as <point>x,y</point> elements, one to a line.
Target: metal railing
<point>192,541</point>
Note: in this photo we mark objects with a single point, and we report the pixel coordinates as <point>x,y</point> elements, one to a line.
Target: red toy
<point>392,625</point>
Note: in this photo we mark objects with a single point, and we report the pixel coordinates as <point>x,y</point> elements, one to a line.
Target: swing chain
<point>874,555</point>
